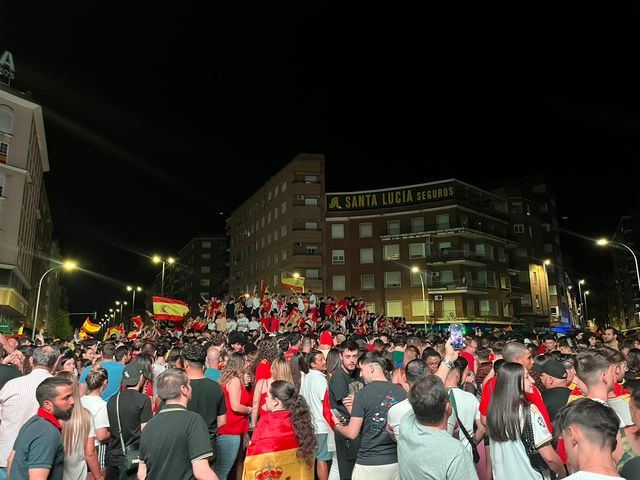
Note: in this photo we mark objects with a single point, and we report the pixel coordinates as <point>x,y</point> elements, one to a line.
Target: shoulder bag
<point>131,455</point>
<point>474,448</point>
<point>526,436</point>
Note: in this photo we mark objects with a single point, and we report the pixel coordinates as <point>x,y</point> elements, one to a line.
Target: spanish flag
<point>21,329</point>
<point>137,321</point>
<point>295,284</point>
<point>117,330</point>
<point>169,309</point>
<point>90,327</point>
<point>273,451</point>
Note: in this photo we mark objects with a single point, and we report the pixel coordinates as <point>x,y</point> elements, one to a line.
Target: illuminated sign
<point>390,198</point>
<point>7,68</point>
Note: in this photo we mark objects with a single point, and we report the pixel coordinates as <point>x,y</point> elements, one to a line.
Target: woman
<point>68,363</point>
<point>267,355</point>
<point>238,402</point>
<point>78,439</point>
<point>97,380</point>
<point>333,361</point>
<point>286,429</point>
<point>509,418</point>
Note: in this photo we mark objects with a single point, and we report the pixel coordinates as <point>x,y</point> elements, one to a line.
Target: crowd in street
<point>306,387</point>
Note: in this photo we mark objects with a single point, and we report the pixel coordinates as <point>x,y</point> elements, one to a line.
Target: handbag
<point>526,436</point>
<point>131,455</point>
<point>474,448</point>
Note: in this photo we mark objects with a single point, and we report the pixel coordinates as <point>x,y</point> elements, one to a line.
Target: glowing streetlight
<point>586,310</point>
<point>582,317</point>
<point>133,300</point>
<point>68,265</point>
<point>424,298</point>
<point>296,275</point>
<point>603,242</point>
<point>158,259</point>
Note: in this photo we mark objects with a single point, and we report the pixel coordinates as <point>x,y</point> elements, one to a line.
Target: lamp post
<point>170,261</point>
<point>133,300</point>
<point>68,265</point>
<point>580,283</point>
<point>586,311</point>
<point>545,264</point>
<point>604,242</point>
<point>121,305</point>
<point>424,297</point>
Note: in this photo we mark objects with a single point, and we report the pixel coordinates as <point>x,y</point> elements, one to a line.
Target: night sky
<point>161,121</point>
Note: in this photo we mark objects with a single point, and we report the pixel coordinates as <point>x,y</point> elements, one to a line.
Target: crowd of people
<point>319,389</point>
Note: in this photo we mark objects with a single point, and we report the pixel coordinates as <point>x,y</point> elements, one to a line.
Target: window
<point>269,196</point>
<point>553,290</point>
<point>205,256</point>
<point>366,230</point>
<point>366,255</point>
<point>204,294</point>
<point>537,301</point>
<point>518,228</point>
<point>263,222</point>
<point>275,258</point>
<point>505,282</point>
<point>283,231</point>
<point>523,276</point>
<point>391,252</point>
<point>442,221</point>
<point>205,282</point>
<point>206,244</point>
<point>416,250</point>
<point>491,279</point>
<point>310,179</point>
<point>471,308</point>
<point>544,208</point>
<point>540,188</point>
<point>417,225</point>
<point>393,308</point>
<point>311,226</point>
<point>269,217</point>
<point>311,201</point>
<point>337,257</point>
<point>6,119</point>
<point>521,252</point>
<point>284,186</point>
<point>525,300</point>
<point>275,213</point>
<point>444,246</point>
<point>338,282</point>
<point>337,230</point>
<point>489,308</point>
<point>367,282</point>
<point>516,207</point>
<point>370,307</point>
<point>311,249</point>
<point>393,227</point>
<point>480,250</point>
<point>312,273</point>
<point>4,148</point>
<point>506,309</point>
<point>446,276</point>
<point>392,279</point>
<point>262,242</point>
<point>448,308</point>
<point>284,254</point>
<point>275,236</point>
<point>530,232</point>
<point>482,278</point>
<point>489,250</point>
<point>417,307</point>
<point>283,208</point>
<point>268,239</point>
<point>275,193</point>
<point>535,277</point>
<point>502,256</point>
<point>205,269</point>
<point>415,278</point>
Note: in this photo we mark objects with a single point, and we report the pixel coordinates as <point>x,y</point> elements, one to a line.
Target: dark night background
<point>160,121</point>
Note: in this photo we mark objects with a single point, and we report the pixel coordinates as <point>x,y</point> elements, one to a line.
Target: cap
<point>131,374</point>
<point>553,368</point>
<point>326,338</point>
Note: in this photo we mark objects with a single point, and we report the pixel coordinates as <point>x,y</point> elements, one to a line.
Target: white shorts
<point>377,472</point>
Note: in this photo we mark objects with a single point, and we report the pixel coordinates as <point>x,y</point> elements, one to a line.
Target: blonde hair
<point>75,430</point>
<point>281,370</point>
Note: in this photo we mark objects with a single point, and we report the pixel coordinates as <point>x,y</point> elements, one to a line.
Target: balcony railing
<point>456,284</point>
<point>449,255</point>
<point>304,251</point>
<point>474,226</point>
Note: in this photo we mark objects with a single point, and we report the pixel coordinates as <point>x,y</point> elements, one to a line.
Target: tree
<point>60,326</point>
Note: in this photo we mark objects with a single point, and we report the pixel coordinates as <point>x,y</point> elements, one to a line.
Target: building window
<point>283,208</point>
<point>481,250</point>
<point>337,257</point>
<point>525,300</point>
<point>338,282</point>
<point>535,277</point>
<point>205,282</point>
<point>366,255</point>
<point>284,186</point>
<point>367,282</point>
<point>537,301</point>
<point>442,221</point>
<point>394,308</point>
<point>471,308</point>
<point>544,208</point>
<point>206,244</point>
<point>518,228</point>
<point>205,269</point>
<point>275,236</point>
<point>446,276</point>
<point>415,279</point>
<point>275,258</point>
<point>311,226</point>
<point>540,188</point>
<point>4,148</point>
<point>311,249</point>
<point>205,256</point>
<point>553,290</point>
<point>444,246</point>
<point>269,196</point>
<point>311,201</point>
<point>283,231</point>
<point>275,193</point>
<point>393,227</point>
<point>516,207</point>
<point>337,230</point>
<point>521,251</point>
<point>6,119</point>
<point>505,282</point>
<point>269,217</point>
<point>392,252</point>
<point>284,254</point>
<point>311,273</point>
<point>491,279</point>
<point>366,230</point>
<point>371,307</point>
<point>417,225</point>
<point>449,308</point>
<point>310,179</point>
<point>482,278</point>
<point>502,256</point>
<point>506,309</point>
<point>418,306</point>
<point>416,250</point>
<point>2,181</point>
<point>392,279</point>
<point>488,308</point>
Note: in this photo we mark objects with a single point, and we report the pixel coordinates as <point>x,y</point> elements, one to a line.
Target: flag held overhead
<point>293,283</point>
<point>169,309</point>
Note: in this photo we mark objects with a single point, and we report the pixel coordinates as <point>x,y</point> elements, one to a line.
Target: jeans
<point>228,447</point>
<point>3,473</point>
<point>347,454</point>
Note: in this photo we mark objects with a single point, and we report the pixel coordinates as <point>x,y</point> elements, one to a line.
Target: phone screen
<point>457,339</point>
<point>337,414</point>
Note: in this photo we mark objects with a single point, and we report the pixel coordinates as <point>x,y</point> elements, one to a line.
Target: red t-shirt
<point>470,359</point>
<point>290,353</point>
<point>275,325</point>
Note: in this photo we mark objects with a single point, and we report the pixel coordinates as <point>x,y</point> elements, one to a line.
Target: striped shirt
<point>17,405</point>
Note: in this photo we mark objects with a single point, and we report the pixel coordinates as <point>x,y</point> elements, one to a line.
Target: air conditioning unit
<point>554,311</point>
<point>435,274</point>
<point>437,298</point>
<point>299,197</point>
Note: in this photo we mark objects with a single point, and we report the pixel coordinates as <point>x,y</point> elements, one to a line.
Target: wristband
<point>448,363</point>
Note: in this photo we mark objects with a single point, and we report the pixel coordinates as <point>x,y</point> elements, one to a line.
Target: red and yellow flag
<point>169,309</point>
<point>273,451</point>
<point>138,322</point>
<point>295,284</point>
<point>117,330</point>
<point>90,327</point>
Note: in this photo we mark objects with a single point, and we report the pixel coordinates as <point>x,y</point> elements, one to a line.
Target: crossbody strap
<point>119,425</point>
<point>452,400</point>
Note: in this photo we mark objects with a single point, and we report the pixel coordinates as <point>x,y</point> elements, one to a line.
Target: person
<point>553,376</point>
<point>213,363</point>
<point>10,365</point>
<point>377,456</point>
<point>295,343</point>
<point>128,411</point>
<point>610,338</point>
<point>206,396</point>
<point>287,428</point>
<point>38,451</point>
<point>414,370</point>
<point>96,383</point>
<point>589,430</point>
<point>18,401</point>
<point>114,371</point>
<point>280,370</point>
<point>238,403</point>
<point>508,417</point>
<point>469,352</point>
<point>176,442</point>
<point>433,359</point>
<point>423,432</point>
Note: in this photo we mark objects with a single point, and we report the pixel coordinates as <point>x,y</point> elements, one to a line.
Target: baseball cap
<point>131,374</point>
<point>553,368</point>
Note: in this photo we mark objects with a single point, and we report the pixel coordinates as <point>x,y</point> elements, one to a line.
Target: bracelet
<point>448,363</point>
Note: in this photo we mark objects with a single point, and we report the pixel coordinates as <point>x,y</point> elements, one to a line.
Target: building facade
<point>278,231</point>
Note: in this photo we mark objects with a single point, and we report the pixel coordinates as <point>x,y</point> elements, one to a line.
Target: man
<point>18,401</point>
<point>343,384</point>
<point>589,430</point>
<point>469,352</point>
<point>423,432</point>
<point>610,337</point>
<point>243,323</point>
<point>207,398</point>
<point>314,389</point>
<point>432,358</point>
<point>549,345</point>
<point>38,452</point>
<point>295,342</point>
<point>175,443</point>
<point>553,376</point>
<point>399,346</point>
<point>213,363</point>
<point>377,457</point>
<point>414,370</point>
<point>114,371</point>
<point>254,324</point>
<point>484,365</point>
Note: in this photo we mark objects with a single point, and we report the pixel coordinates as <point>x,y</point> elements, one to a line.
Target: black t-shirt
<point>554,399</point>
<point>172,440</point>
<point>8,372</point>
<point>372,404</point>
<point>135,409</point>
<point>342,385</point>
<point>207,399</point>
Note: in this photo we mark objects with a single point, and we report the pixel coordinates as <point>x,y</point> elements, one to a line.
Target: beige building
<point>25,221</point>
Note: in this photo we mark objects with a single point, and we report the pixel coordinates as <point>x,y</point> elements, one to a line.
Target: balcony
<point>310,252</point>
<point>465,229</point>
<point>456,257</point>
<point>456,286</point>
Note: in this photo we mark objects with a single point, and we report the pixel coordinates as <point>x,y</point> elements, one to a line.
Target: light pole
<point>170,261</point>
<point>68,265</point>
<point>424,298</point>
<point>121,305</point>
<point>582,317</point>
<point>133,300</point>
<point>604,242</point>
<point>586,311</point>
<point>546,263</point>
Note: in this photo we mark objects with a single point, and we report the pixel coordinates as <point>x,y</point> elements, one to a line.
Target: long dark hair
<point>503,417</point>
<point>300,418</point>
<point>233,369</point>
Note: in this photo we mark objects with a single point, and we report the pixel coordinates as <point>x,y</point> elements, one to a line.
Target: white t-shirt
<point>590,476</point>
<point>395,415</point>
<point>254,325</point>
<point>468,408</point>
<point>313,387</point>
<point>98,408</point>
<point>231,326</point>
<point>509,459</point>
<point>622,410</point>
<point>243,324</point>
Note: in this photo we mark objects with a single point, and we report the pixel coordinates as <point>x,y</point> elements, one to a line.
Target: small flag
<point>20,330</point>
<point>295,284</point>
<point>169,309</point>
<point>263,290</point>
<point>90,327</point>
<point>118,330</point>
<point>137,321</point>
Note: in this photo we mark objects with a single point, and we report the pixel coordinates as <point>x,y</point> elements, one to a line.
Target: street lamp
<point>133,301</point>
<point>424,298</point>
<point>68,265</point>
<point>121,304</point>
<point>603,242</point>
<point>170,261</point>
<point>296,275</point>
<point>586,311</point>
<point>582,317</point>
<point>545,264</point>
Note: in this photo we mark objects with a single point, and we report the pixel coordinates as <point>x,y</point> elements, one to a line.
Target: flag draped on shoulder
<point>295,284</point>
<point>169,309</point>
<point>89,327</point>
